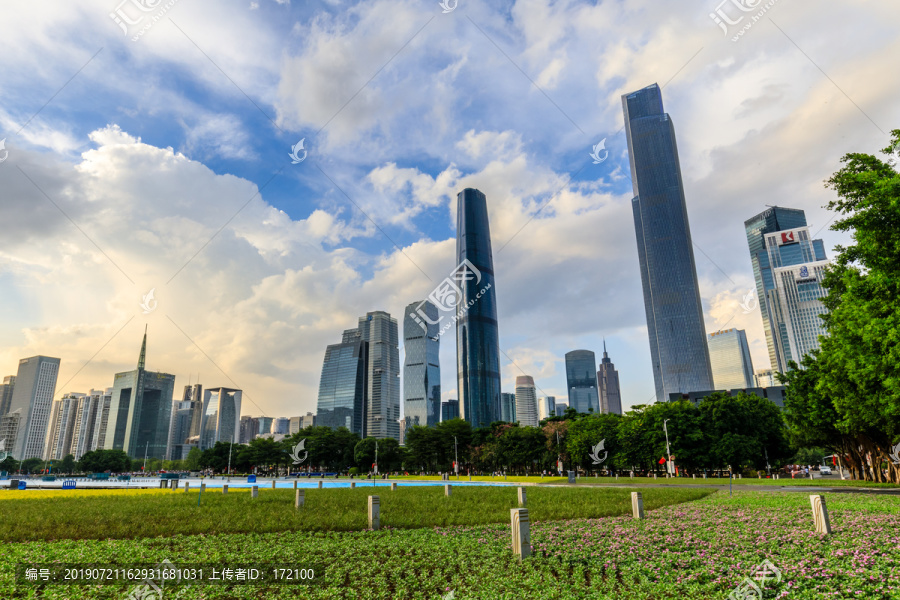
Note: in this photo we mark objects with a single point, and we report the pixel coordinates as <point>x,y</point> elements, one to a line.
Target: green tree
<point>67,464</point>
<point>423,446</point>
<point>389,456</point>
<point>101,461</point>
<point>521,448</point>
<point>192,462</point>
<point>9,464</point>
<point>32,465</point>
<point>584,435</point>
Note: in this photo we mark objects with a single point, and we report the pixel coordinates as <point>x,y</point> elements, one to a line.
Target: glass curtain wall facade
<point>343,384</point>
<point>507,407</point>
<point>449,410</point>
<point>668,273</point>
<point>729,354</point>
<point>421,366</point>
<point>221,416</point>
<point>379,329</point>
<point>477,333</point>
<point>526,401</point>
<point>581,376</point>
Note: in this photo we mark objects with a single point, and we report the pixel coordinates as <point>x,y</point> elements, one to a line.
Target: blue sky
<point>169,154</point>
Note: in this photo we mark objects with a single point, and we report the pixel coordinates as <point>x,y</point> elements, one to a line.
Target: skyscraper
<point>668,274</point>
<point>379,329</point>
<point>249,429</point>
<point>140,411</point>
<point>104,400</point>
<point>25,426</point>
<point>581,376</point>
<point>477,334</point>
<point>265,425</point>
<point>729,354</point>
<point>6,392</point>
<point>343,385</point>
<point>546,407</point>
<point>449,410</point>
<point>608,382</point>
<point>62,426</point>
<point>421,366</point>
<point>187,414</point>
<point>507,407</point>
<point>526,401</point>
<point>561,409</point>
<point>282,426</point>
<point>221,420</point>
<point>86,422</point>
<point>771,220</point>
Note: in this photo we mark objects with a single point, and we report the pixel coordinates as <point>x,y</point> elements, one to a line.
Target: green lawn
<point>144,514</point>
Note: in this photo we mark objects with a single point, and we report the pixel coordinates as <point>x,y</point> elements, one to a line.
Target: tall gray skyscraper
<point>140,412</point>
<point>379,329</point>
<point>221,420</point>
<point>608,382</point>
<point>344,384</point>
<point>507,407</point>
<point>729,354</point>
<point>6,392</point>
<point>62,426</point>
<point>477,334</point>
<point>668,273</point>
<point>771,220</point>
<point>581,376</point>
<point>449,410</point>
<point>546,407</point>
<point>87,420</point>
<point>421,366</point>
<point>526,401</point>
<point>24,428</point>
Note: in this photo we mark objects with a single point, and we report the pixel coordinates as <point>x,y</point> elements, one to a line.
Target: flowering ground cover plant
<point>696,550</point>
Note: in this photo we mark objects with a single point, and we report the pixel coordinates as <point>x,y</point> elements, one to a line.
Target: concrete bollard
<point>820,514</point>
<point>447,490</point>
<point>693,476</point>
<point>704,476</point>
<point>187,486</point>
<point>202,487</point>
<point>254,491</point>
<point>617,476</point>
<point>632,474</point>
<point>654,476</point>
<point>470,477</point>
<point>393,487</point>
<point>374,513</point>
<point>521,532</point>
<point>637,505</point>
<point>163,483</point>
<point>352,485</point>
<point>224,488</point>
<point>522,497</point>
<point>295,485</point>
<point>320,485</point>
<point>299,498</point>
<point>273,485</point>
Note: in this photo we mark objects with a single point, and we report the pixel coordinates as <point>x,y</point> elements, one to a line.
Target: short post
<point>254,491</point>
<point>295,485</point>
<point>522,497</point>
<point>447,490</point>
<point>187,486</point>
<point>224,488</point>
<point>163,483</point>
<point>299,498</point>
<point>320,485</point>
<point>174,484</point>
<point>352,485</point>
<point>374,513</point>
<point>393,487</point>
<point>470,478</point>
<point>820,514</point>
<point>273,484</point>
<point>521,532</point>
<point>637,505</point>
<point>704,476</point>
<point>654,476</point>
<point>693,476</point>
<point>202,487</point>
<point>632,474</point>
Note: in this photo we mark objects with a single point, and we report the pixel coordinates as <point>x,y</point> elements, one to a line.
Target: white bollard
<point>654,476</point>
<point>254,491</point>
<point>187,486</point>
<point>374,513</point>
<point>320,485</point>
<point>693,476</point>
<point>224,488</point>
<point>617,476</point>
<point>820,514</point>
<point>632,474</point>
<point>273,485</point>
<point>522,498</point>
<point>202,487</point>
<point>704,476</point>
<point>521,532</point>
<point>352,485</point>
<point>299,498</point>
<point>637,505</point>
<point>393,487</point>
<point>447,490</point>
<point>295,485</point>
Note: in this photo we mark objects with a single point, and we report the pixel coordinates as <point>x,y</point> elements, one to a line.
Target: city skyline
<point>301,258</point>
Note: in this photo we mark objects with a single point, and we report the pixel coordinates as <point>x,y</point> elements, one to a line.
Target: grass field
<point>691,551</point>
<point>625,480</point>
<point>100,514</point>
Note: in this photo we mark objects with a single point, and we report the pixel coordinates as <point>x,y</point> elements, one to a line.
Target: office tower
<point>282,426</point>
<point>140,412</point>
<point>477,334</point>
<point>795,302</point>
<point>343,384</point>
<point>766,378</point>
<point>379,329</point>
<point>668,273</point>
<point>6,392</point>
<point>249,429</point>
<point>773,219</point>
<point>729,354</point>
<point>546,407</point>
<point>421,366</point>
<point>25,431</point>
<point>308,420</point>
<point>294,427</point>
<point>104,400</point>
<point>507,407</point>
<point>221,420</point>
<point>62,426</point>
<point>182,420</point>
<point>608,383</point>
<point>526,401</point>
<point>581,377</point>
<point>194,395</point>
<point>449,410</point>
<point>265,425</point>
<point>561,409</point>
<point>402,424</point>
<point>87,420</point>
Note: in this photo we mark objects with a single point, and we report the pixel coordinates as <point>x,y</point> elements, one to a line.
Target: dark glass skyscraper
<point>421,366</point>
<point>477,335</point>
<point>342,387</point>
<point>668,273</point>
<point>581,376</point>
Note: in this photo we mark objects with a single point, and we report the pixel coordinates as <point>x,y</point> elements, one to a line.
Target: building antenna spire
<point>143,358</point>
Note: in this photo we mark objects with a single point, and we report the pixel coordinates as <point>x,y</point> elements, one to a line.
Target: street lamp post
<point>455,457</point>
<point>768,468</point>
<point>229,457</point>
<point>668,451</point>
<point>558,454</point>
<point>146,446</point>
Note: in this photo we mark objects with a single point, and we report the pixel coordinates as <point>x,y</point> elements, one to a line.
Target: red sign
<point>662,461</point>
<point>787,237</point>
